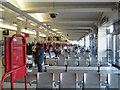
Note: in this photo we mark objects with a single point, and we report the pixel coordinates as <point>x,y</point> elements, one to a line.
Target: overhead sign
<point>26,35</point>
<point>6,32</point>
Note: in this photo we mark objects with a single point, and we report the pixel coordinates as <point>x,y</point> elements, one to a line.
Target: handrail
<point>16,69</point>
<point>3,78</point>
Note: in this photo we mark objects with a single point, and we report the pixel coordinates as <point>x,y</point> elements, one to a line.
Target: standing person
<point>65,48</point>
<point>39,56</point>
<point>44,46</point>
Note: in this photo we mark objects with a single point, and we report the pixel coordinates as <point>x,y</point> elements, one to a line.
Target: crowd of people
<point>38,51</point>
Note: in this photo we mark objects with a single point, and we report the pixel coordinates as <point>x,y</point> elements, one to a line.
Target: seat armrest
<point>56,84</point>
<point>31,82</point>
<point>79,83</point>
<point>104,84</point>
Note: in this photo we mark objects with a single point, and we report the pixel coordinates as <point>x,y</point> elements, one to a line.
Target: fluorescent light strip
<point>32,24</point>
<point>54,29</point>
<point>42,35</point>
<point>15,24</point>
<point>1,9</point>
<point>40,27</point>
<point>23,30</point>
<point>34,33</point>
<point>1,20</point>
<point>29,32</point>
<point>8,27</point>
<point>20,18</point>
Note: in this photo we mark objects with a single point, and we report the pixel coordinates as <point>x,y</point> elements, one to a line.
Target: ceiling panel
<point>71,15</point>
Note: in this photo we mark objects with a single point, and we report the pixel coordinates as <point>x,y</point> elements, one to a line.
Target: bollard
<point>98,68</point>
<point>77,63</point>
<point>66,68</point>
<point>45,69</point>
<point>89,62</point>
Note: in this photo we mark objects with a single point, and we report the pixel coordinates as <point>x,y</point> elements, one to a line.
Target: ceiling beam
<point>66,20</point>
<point>72,31</point>
<point>71,1</point>
<point>64,26</point>
<point>17,10</point>
<point>72,28</point>
<point>70,22</point>
<point>71,10</point>
<point>66,7</point>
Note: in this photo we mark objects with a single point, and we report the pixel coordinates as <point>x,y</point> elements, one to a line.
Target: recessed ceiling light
<point>32,24</point>
<point>1,9</point>
<point>45,24</point>
<point>40,27</point>
<point>20,18</point>
<point>15,24</point>
<point>58,32</point>
<point>54,29</point>
<point>1,20</point>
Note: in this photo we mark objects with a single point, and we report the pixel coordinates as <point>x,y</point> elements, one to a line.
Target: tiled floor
<point>83,68</point>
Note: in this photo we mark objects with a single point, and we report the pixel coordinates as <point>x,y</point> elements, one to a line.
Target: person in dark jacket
<point>39,56</point>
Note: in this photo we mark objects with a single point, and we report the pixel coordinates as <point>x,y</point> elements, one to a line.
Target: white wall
<point>80,42</point>
<point>74,42</point>
<point>87,41</point>
<point>83,41</point>
<point>101,42</point>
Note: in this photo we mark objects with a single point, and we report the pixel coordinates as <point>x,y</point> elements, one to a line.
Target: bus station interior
<point>88,24</point>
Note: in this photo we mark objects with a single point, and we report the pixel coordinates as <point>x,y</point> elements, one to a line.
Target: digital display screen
<point>6,32</point>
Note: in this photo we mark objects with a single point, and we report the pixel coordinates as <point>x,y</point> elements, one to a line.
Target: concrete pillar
<point>101,43</point>
<point>83,41</point>
<point>87,41</point>
<point>19,27</point>
<point>80,42</point>
<point>46,38</point>
<point>37,35</point>
<point>52,39</point>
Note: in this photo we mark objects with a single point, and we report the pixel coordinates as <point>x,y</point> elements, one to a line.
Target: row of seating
<point>77,80</point>
<point>50,55</point>
<point>75,60</point>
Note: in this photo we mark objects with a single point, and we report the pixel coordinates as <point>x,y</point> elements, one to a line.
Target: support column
<point>83,41</point>
<point>101,43</point>
<point>37,35</point>
<point>46,38</point>
<point>52,39</point>
<point>19,27</point>
<point>87,41</point>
